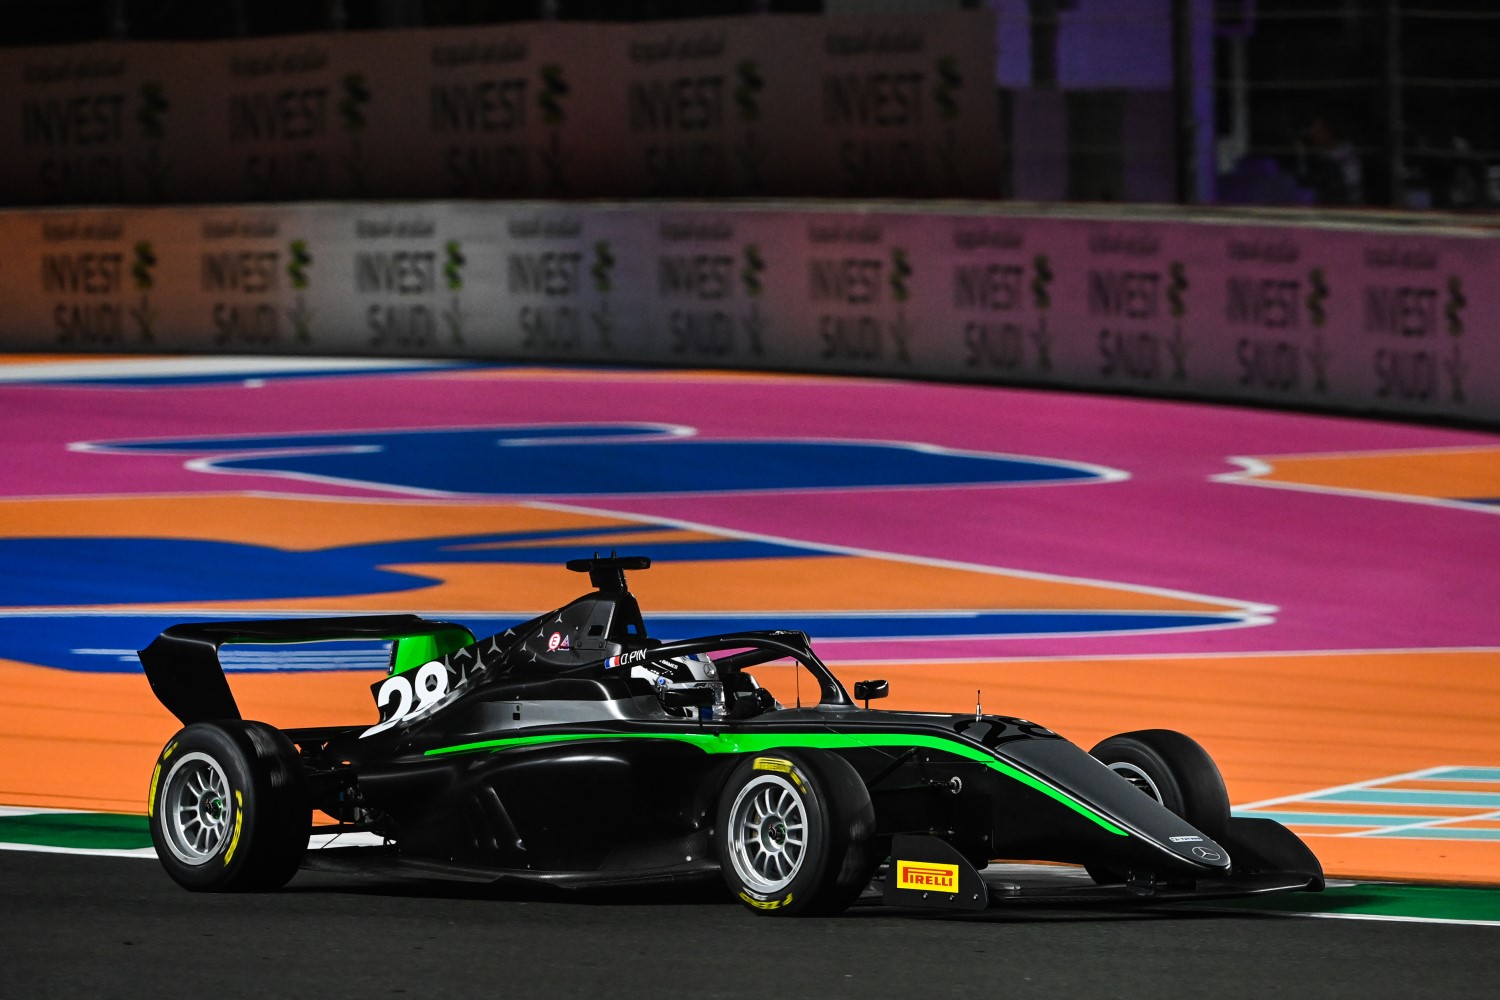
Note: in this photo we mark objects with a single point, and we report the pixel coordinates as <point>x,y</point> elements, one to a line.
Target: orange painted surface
<point>1446,472</point>
<point>1277,725</point>
<point>750,585</point>
<point>87,741</point>
<point>57,359</point>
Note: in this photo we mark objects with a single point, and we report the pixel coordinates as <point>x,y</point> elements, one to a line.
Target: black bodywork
<point>535,755</point>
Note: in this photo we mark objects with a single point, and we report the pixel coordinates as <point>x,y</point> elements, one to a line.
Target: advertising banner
<point>717,287</point>
<point>284,118</point>
<point>1389,321</point>
<point>988,289</point>
<point>895,106</point>
<point>565,283</point>
<point>78,281</point>
<point>853,309</point>
<point>1268,292</point>
<point>808,105</point>
<point>705,107</point>
<point>1413,345</point>
<point>509,111</point>
<point>90,123</point>
<point>795,105</point>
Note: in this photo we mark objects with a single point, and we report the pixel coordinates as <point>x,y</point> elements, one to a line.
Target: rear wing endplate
<point>186,676</point>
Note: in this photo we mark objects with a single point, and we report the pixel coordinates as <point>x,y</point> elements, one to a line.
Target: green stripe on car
<point>717,743</point>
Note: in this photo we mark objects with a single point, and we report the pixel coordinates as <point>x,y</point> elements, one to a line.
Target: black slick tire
<point>1173,769</point>
<point>229,807</point>
<point>795,833</point>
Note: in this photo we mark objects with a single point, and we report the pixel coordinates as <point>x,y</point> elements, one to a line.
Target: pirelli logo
<point>927,876</point>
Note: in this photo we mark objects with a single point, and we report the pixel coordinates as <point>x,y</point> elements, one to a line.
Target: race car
<point>578,750</point>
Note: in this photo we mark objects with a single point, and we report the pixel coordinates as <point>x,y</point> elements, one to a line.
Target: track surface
<point>1311,597</point>
<point>119,928</point>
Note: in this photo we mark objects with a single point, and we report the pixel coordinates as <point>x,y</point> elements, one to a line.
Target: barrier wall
<point>794,105</point>
<point>1380,318</point>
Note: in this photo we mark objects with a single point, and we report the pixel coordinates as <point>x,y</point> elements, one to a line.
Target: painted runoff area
<point>1307,596</point>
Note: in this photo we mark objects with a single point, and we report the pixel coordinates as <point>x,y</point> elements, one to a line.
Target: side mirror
<point>866,690</point>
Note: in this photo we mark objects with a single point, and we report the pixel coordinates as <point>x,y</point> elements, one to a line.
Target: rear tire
<point>795,833</point>
<point>1173,769</point>
<point>229,807</point>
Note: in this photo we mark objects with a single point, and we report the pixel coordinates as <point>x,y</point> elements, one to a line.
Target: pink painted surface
<point>1342,572</point>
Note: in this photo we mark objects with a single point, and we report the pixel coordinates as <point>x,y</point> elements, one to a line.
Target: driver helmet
<point>695,670</point>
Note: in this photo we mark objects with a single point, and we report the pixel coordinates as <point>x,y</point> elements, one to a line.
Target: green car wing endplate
<point>183,666</point>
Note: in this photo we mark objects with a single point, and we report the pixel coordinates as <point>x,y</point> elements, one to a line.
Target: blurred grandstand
<point>1271,102</point>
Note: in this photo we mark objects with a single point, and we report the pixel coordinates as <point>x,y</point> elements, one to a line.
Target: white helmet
<point>695,670</point>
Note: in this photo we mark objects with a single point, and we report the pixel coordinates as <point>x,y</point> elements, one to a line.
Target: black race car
<point>577,750</point>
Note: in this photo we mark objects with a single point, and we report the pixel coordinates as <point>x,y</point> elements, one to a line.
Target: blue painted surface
<point>601,460</point>
<point>1292,818</point>
<point>1441,833</point>
<point>1413,797</point>
<point>126,379</point>
<point>106,643</point>
<point>74,572</point>
<point>1464,774</point>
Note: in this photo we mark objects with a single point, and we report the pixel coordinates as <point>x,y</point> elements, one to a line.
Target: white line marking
<point>104,852</point>
<point>1227,604</point>
<point>1425,772</point>
<point>1252,468</point>
<point>155,368</point>
<point>648,430</point>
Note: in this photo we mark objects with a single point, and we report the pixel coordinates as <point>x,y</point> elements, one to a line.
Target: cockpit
<point>593,658</point>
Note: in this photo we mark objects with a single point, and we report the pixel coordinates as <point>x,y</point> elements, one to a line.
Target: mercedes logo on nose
<point>1207,855</point>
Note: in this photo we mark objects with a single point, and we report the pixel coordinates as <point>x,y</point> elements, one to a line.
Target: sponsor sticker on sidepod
<point>926,876</point>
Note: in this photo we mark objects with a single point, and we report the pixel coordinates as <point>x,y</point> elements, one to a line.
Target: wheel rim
<point>1140,779</point>
<point>767,833</point>
<point>195,809</point>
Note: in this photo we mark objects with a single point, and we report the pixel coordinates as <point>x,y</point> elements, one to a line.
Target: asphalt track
<point>118,928</point>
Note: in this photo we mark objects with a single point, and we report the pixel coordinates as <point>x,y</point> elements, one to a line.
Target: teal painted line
<point>82,831</point>
<point>1440,833</point>
<point>1464,774</point>
<point>1409,797</point>
<point>736,743</point>
<point>1388,901</point>
<point>1339,819</point>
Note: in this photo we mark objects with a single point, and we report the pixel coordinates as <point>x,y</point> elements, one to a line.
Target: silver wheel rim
<point>1137,777</point>
<point>767,833</point>
<point>195,809</point>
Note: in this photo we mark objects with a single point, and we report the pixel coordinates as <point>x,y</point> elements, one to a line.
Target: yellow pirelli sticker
<point>239,816</point>
<point>926,876</point>
<point>151,795</point>
<point>156,776</point>
<point>766,904</point>
<point>772,764</point>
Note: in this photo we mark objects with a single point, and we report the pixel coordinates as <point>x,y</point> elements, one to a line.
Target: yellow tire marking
<point>239,817</point>
<point>765,904</point>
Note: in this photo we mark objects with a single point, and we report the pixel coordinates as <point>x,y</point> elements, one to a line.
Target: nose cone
<point>1200,850</point>
<point>1103,792</point>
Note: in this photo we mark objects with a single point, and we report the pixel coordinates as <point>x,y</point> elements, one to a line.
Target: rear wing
<point>186,676</point>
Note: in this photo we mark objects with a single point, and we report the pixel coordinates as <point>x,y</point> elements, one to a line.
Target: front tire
<point>795,833</point>
<point>229,807</point>
<point>1173,769</point>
